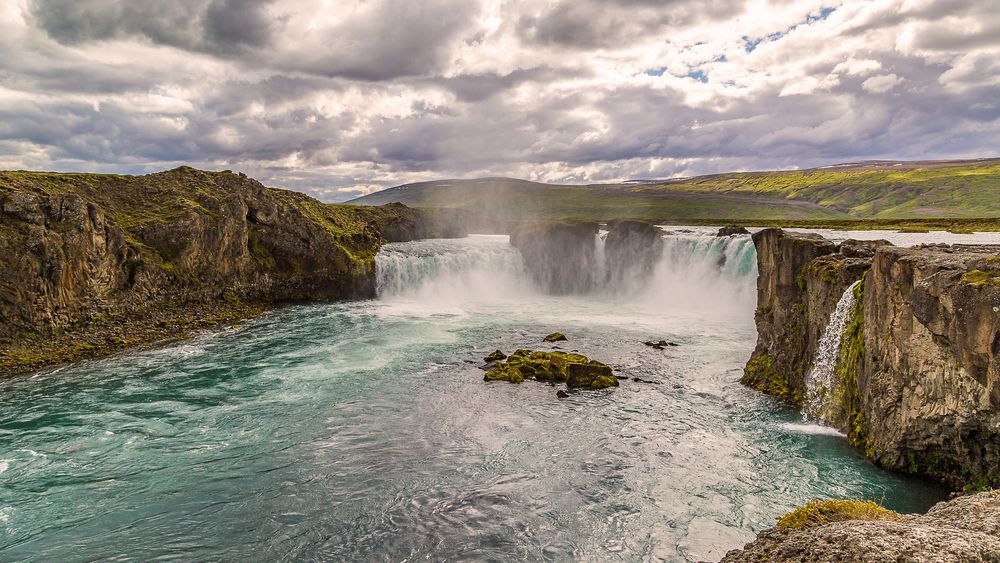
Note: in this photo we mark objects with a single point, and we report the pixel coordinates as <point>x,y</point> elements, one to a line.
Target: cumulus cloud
<point>338,98</point>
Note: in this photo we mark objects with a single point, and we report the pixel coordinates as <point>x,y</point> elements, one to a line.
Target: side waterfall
<point>819,382</point>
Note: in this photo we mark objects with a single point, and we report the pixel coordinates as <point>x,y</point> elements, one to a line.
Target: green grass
<point>932,194</point>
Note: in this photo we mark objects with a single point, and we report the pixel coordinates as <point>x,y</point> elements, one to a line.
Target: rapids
<point>364,431</point>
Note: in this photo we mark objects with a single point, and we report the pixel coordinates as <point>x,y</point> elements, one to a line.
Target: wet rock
<point>555,337</point>
<point>641,380</point>
<point>562,394</point>
<point>732,231</point>
<point>632,249</point>
<point>594,375</point>
<point>553,367</point>
<point>659,345</point>
<point>495,356</point>
<point>559,255</point>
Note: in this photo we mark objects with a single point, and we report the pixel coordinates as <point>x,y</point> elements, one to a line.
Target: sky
<point>339,98</point>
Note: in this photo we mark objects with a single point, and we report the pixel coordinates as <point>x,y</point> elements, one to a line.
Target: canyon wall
<point>90,263</point>
<point>917,383</point>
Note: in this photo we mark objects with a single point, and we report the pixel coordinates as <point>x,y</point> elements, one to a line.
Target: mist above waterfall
<point>690,270</point>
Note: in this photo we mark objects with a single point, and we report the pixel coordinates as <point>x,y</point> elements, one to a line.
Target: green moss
<point>760,374</point>
<point>552,367</point>
<point>982,278</point>
<point>817,513</point>
<point>800,279</point>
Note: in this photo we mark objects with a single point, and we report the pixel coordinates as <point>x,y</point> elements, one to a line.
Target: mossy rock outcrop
<point>555,337</point>
<point>966,528</point>
<point>575,370</point>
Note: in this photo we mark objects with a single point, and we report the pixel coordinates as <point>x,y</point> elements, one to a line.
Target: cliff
<point>91,263</point>
<point>917,381</point>
<point>963,529</point>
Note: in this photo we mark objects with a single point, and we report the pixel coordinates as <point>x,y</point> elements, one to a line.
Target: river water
<point>364,430</point>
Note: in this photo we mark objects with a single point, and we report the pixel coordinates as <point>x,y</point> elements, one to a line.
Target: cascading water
<point>819,382</point>
<point>474,268</point>
<point>694,269</point>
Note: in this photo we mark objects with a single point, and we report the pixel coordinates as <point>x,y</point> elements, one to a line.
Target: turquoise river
<point>363,431</point>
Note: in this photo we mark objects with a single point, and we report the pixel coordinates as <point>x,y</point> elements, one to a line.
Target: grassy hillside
<point>865,191</point>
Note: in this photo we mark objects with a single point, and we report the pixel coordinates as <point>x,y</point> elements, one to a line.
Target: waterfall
<point>694,270</point>
<point>819,382</point>
<point>475,267</point>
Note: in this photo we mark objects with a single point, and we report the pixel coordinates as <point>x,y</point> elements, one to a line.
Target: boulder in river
<point>575,370</point>
<point>555,337</point>
<point>495,356</point>
<point>659,345</point>
<point>593,375</point>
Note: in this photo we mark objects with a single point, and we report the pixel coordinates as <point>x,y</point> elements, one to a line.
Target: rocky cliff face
<point>929,381</point>
<point>559,255</point>
<point>916,382</point>
<point>89,263</point>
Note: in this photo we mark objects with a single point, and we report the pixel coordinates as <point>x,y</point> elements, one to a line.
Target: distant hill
<point>882,190</point>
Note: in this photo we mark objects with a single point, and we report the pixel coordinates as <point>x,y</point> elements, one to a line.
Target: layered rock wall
<point>917,380</point>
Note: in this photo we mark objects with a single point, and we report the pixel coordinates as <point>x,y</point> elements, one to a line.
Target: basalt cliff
<point>917,381</point>
<point>91,263</point>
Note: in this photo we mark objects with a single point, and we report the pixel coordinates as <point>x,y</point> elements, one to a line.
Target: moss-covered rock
<point>555,337</point>
<point>495,356</point>
<point>576,370</point>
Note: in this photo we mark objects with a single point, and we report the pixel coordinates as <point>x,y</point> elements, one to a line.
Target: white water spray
<point>695,271</point>
<point>819,382</point>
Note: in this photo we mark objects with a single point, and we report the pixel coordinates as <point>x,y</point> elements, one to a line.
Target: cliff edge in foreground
<point>917,378</point>
<point>90,263</point>
<point>964,529</point>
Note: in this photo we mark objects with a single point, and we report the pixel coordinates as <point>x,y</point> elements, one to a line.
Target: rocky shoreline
<point>91,264</point>
<point>963,529</point>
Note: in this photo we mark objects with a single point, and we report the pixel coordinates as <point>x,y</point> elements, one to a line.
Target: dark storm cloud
<point>345,95</point>
<point>215,26</point>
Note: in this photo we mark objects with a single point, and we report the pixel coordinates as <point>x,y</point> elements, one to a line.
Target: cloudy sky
<point>341,97</point>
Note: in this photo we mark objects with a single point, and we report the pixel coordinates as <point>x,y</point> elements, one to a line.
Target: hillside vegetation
<point>883,191</point>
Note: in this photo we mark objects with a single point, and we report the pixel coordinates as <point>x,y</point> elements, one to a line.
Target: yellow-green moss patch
<point>819,512</point>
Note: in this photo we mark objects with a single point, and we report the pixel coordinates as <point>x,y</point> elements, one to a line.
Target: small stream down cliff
<point>363,430</point>
<point>819,382</point>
